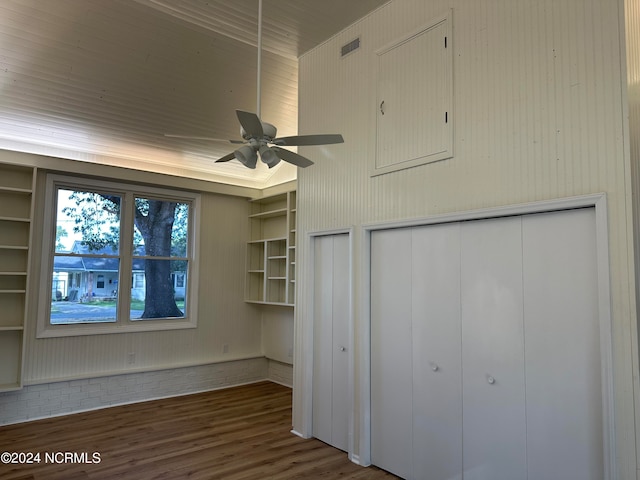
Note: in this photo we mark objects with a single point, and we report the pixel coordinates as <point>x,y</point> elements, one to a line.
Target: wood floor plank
<point>240,433</point>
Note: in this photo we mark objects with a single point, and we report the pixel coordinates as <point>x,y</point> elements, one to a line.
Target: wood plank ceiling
<point>103,80</point>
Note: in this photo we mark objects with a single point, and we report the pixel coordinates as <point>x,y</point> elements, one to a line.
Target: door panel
<point>437,369</point>
<point>494,435</point>
<point>564,399</point>
<point>340,343</point>
<point>391,371</point>
<point>331,336</point>
<point>323,338</point>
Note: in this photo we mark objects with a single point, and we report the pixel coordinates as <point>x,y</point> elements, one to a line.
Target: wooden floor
<point>240,433</point>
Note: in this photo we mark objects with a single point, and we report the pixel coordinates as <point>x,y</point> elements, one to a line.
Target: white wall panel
<point>277,332</point>
<point>539,95</point>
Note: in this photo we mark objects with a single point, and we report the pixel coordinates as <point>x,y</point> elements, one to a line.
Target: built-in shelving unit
<point>271,250</point>
<point>16,212</point>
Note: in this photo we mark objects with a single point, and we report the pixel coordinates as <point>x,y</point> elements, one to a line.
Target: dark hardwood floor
<point>240,433</point>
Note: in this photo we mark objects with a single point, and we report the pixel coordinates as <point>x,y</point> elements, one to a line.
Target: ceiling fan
<point>259,138</point>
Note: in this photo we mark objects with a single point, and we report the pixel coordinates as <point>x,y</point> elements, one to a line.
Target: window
<point>112,257</point>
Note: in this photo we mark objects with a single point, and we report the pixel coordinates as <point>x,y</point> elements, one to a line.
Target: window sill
<point>54,331</point>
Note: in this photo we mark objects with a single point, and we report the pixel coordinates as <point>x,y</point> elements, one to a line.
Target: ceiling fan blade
<point>300,140</point>
<point>292,157</point>
<point>192,137</point>
<point>227,157</point>
<point>251,123</point>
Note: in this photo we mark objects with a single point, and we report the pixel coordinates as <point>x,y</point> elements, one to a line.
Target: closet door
<point>494,432</point>
<point>562,334</point>
<point>331,334</point>
<point>437,369</point>
<point>391,358</point>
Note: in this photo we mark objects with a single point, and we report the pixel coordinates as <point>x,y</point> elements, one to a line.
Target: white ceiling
<point>104,80</point>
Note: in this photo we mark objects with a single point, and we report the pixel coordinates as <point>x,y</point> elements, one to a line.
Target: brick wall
<point>60,398</point>
<point>281,373</point>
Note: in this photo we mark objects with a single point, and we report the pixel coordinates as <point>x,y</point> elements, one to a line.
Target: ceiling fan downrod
<point>258,99</point>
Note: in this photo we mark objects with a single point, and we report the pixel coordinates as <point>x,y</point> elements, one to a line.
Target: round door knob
<point>435,367</point>
<point>491,380</point>
<point>343,349</point>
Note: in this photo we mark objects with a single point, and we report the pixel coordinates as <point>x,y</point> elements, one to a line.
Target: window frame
<point>123,323</point>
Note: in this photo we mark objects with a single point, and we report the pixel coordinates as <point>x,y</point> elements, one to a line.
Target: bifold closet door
<point>391,357</point>
<point>485,349</point>
<point>562,354</point>
<point>494,432</point>
<point>416,398</point>
<point>331,335</point>
<point>436,347</point>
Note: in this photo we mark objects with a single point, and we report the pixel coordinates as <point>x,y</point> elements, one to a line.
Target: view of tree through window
<point>160,242</point>
<point>92,260</point>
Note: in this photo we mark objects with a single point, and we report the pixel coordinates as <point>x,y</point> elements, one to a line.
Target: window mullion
<point>126,261</point>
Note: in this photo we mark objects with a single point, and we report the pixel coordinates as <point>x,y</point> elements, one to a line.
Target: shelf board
<point>14,247</point>
<point>276,278</point>
<point>292,247</point>
<point>19,274</point>
<point>255,271</point>
<point>277,257</point>
<point>280,212</point>
<point>262,240</point>
<point>12,291</point>
<point>26,191</point>
<point>14,328</point>
<point>16,219</point>
<point>278,197</point>
<point>262,302</point>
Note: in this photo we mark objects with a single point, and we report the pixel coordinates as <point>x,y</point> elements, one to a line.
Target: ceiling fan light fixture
<point>269,157</point>
<point>247,156</point>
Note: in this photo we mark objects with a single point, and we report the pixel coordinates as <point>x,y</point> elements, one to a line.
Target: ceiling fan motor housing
<point>269,131</point>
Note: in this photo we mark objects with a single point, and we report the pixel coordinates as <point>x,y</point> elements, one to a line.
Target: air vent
<point>350,47</point>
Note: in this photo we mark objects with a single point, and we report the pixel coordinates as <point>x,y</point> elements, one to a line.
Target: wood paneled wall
<point>632,44</point>
<point>224,318</point>
<point>540,95</point>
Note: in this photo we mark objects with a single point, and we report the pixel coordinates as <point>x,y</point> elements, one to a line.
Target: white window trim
<point>44,329</point>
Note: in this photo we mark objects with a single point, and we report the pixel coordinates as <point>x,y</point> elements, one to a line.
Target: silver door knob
<point>434,367</point>
<point>490,380</point>
<point>343,349</point>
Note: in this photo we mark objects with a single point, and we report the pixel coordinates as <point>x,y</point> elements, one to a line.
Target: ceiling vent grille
<point>350,47</point>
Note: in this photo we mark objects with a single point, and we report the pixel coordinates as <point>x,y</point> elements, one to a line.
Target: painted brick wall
<point>281,373</point>
<point>60,398</point>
